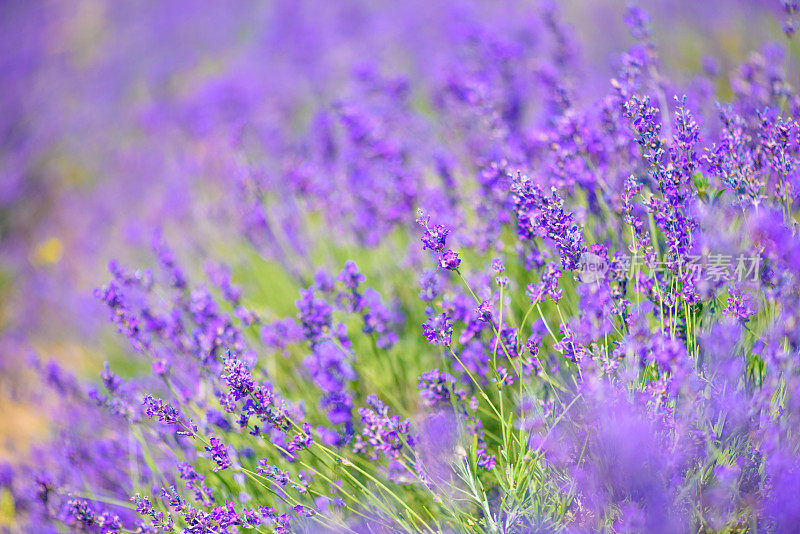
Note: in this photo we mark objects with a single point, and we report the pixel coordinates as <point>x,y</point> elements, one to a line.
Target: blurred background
<point>121,118</point>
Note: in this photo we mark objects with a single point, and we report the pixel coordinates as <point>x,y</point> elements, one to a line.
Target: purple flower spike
<point>449,260</point>
<point>438,330</point>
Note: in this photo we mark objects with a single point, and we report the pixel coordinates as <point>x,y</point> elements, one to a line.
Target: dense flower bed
<point>485,298</point>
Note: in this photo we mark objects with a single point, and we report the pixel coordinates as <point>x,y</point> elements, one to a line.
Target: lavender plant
<point>487,299</point>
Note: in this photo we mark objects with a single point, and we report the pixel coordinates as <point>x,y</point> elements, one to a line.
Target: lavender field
<point>363,266</point>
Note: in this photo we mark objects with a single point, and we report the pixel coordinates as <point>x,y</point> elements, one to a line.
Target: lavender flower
<point>382,434</point>
<point>438,329</point>
<point>219,453</point>
<point>436,387</point>
<point>449,260</point>
<point>433,237</point>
